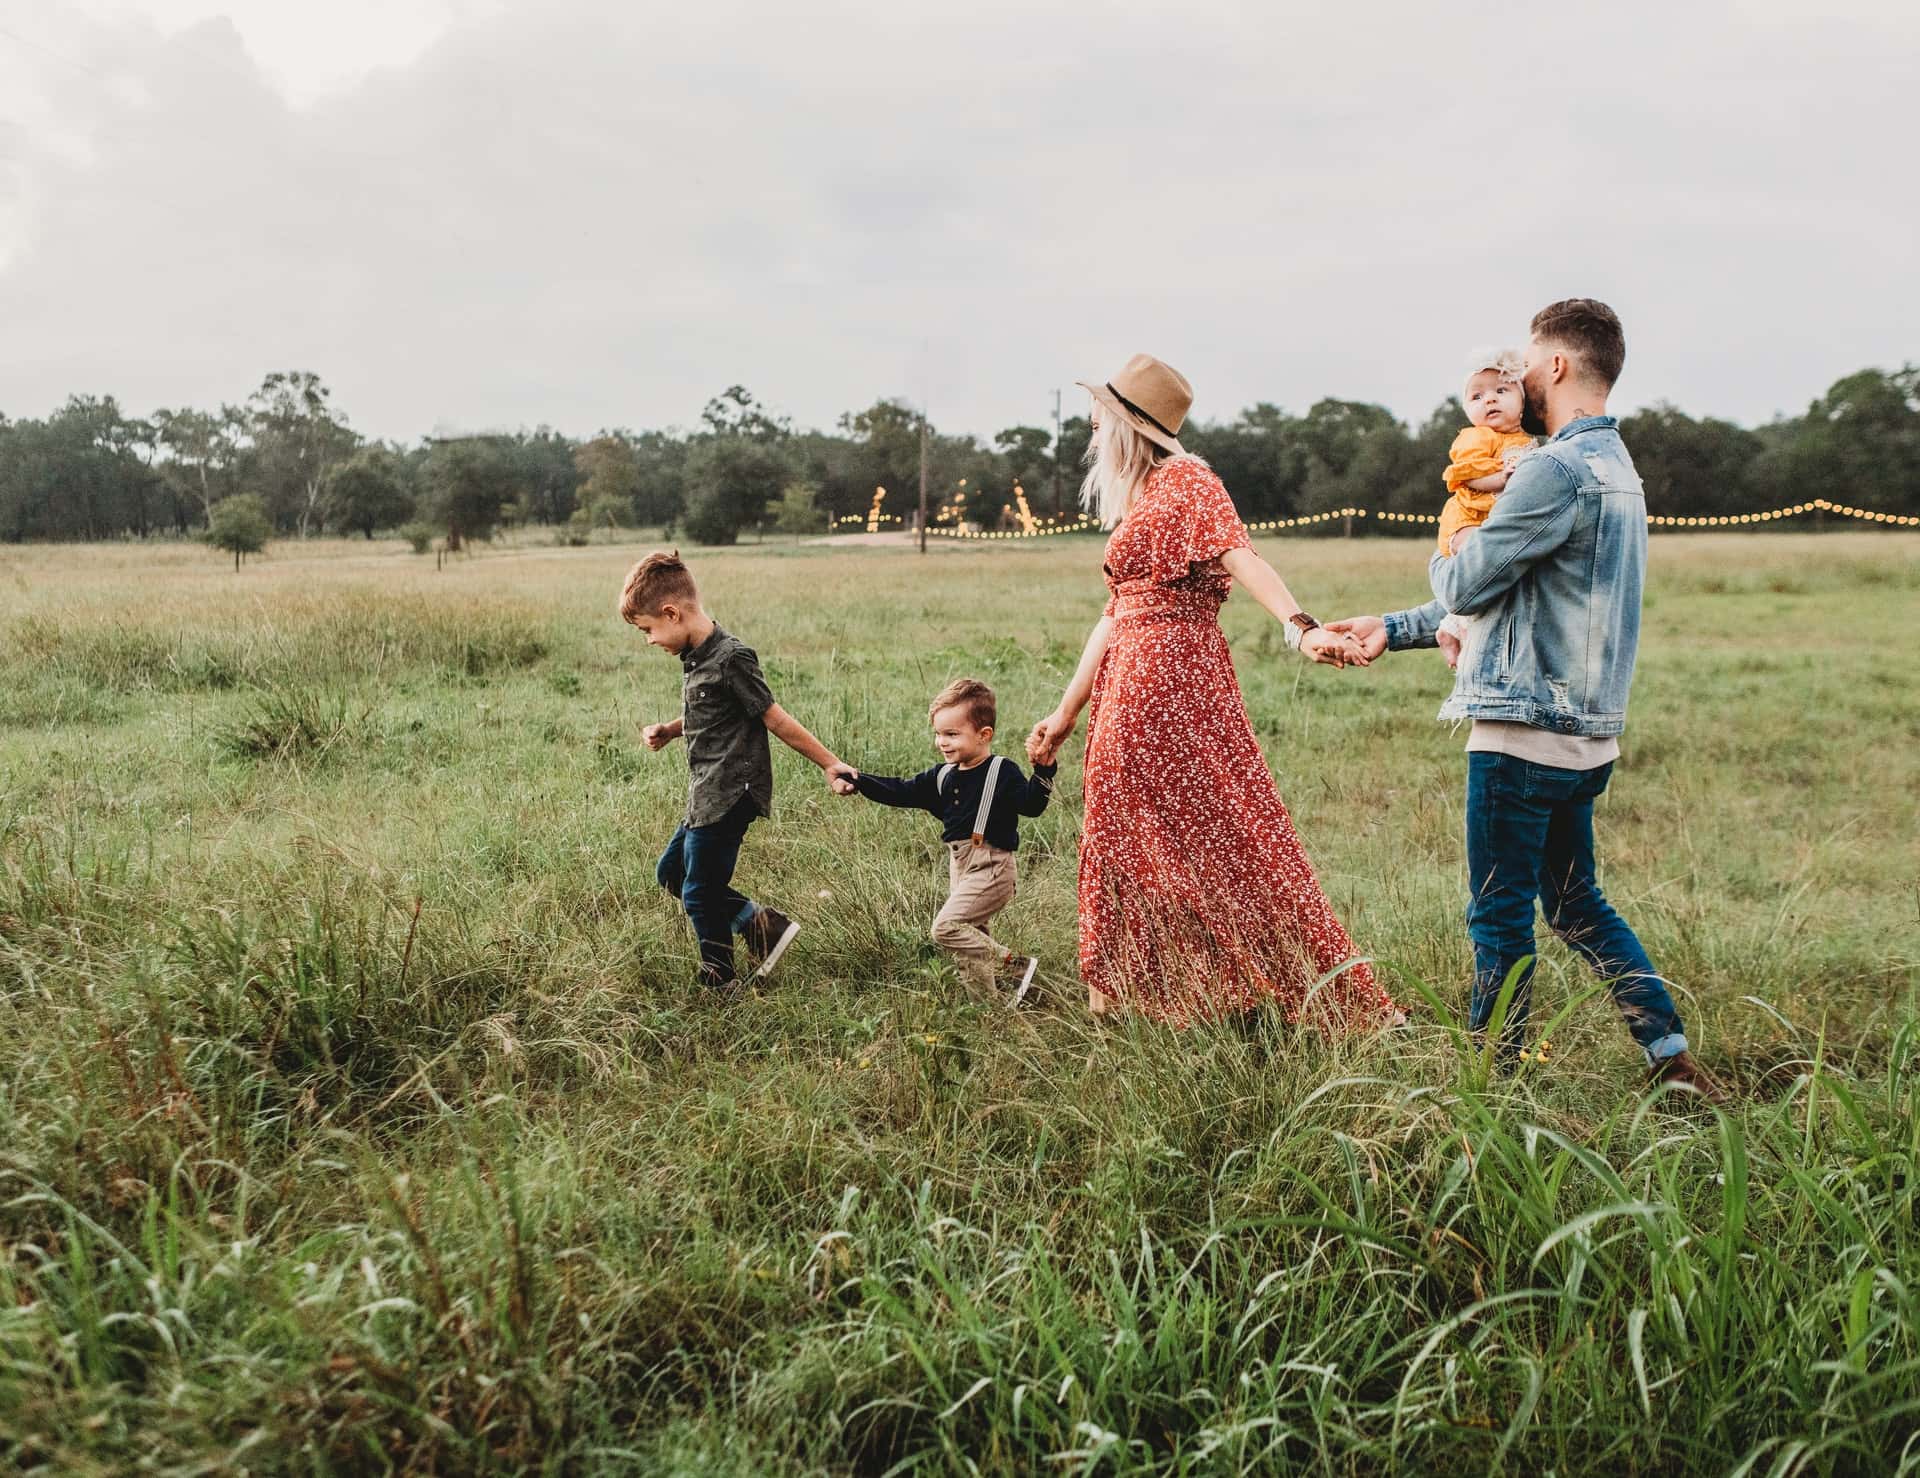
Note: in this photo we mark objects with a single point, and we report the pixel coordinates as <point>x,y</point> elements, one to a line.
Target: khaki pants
<point>980,882</point>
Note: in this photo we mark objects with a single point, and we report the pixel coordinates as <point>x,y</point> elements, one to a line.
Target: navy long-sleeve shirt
<point>957,804</point>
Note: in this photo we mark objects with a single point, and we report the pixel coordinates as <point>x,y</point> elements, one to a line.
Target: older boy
<point>727,713</point>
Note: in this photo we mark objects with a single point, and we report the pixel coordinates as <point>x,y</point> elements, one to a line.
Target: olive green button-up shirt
<point>724,700</point>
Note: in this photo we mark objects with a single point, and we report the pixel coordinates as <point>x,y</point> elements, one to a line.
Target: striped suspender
<point>986,793</point>
<point>986,800</point>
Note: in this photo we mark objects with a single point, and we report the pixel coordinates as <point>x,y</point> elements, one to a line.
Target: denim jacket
<point>1555,575</point>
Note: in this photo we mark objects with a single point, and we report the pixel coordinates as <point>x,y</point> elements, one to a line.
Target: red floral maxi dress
<point>1196,900</point>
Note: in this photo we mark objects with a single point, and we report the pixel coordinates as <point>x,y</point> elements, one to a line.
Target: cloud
<point>597,217</point>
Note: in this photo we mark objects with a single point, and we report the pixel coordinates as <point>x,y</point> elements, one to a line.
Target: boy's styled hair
<point>660,579</point>
<point>1590,330</point>
<point>968,693</point>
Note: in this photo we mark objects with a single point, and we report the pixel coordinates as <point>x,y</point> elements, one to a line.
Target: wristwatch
<point>1298,625</point>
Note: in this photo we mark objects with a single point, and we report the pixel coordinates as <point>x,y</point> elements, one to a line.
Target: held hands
<point>840,777</point>
<point>1334,648</point>
<point>1043,744</point>
<point>1370,632</point>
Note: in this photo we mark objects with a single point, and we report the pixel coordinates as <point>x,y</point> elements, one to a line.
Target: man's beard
<point>1533,412</point>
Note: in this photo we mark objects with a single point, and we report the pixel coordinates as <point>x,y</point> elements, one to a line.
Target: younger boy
<point>727,713</point>
<point>978,797</point>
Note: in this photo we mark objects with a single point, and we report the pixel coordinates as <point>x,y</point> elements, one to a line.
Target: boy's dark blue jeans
<point>1530,835</point>
<point>697,868</point>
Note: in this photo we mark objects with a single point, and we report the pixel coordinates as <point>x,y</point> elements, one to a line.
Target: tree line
<point>91,471</point>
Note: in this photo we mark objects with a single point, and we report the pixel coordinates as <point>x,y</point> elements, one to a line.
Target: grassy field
<point>357,1113</point>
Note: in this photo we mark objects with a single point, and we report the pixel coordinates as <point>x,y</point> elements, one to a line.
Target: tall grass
<point>357,1113</point>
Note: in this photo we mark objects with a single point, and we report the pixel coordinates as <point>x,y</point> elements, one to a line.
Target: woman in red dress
<point>1196,900</point>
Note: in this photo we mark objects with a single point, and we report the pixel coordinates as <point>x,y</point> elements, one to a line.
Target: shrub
<point>240,526</point>
<point>289,723</point>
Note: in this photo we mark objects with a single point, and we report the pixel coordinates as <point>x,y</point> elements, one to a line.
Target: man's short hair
<point>1589,331</point>
<point>968,693</point>
<point>660,579</point>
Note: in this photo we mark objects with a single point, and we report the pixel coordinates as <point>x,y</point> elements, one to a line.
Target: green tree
<point>1354,451</point>
<point>203,450</point>
<point>468,481</point>
<point>735,467</point>
<point>1858,444</point>
<point>83,473</point>
<point>660,463</point>
<point>1260,455</point>
<point>1070,452</point>
<point>797,512</point>
<point>297,435</point>
<point>988,483</point>
<point>609,479</point>
<point>1027,452</point>
<point>1689,467</point>
<point>240,525</point>
<point>1422,488</point>
<point>609,511</point>
<point>732,480</point>
<point>879,447</point>
<point>368,491</point>
<point>549,480</point>
<point>734,412</point>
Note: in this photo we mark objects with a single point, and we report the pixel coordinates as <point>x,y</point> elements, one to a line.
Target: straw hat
<point>1150,396</point>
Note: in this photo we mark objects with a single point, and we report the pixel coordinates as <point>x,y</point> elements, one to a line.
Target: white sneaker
<point>1019,969</point>
<point>767,935</point>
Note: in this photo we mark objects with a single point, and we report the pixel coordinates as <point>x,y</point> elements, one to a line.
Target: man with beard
<point>1556,572</point>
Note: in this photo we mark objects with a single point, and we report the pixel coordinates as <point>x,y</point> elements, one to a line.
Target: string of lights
<point>1818,505</point>
<point>1274,525</point>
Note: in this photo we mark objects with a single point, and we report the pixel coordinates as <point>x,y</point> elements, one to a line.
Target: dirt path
<point>889,539</point>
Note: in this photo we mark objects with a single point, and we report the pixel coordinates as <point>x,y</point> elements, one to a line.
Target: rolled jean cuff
<point>1671,1045</point>
<point>744,917</point>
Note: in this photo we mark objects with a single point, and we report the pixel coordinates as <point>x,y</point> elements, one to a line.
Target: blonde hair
<point>1508,364</point>
<point>1119,461</point>
<point>661,579</point>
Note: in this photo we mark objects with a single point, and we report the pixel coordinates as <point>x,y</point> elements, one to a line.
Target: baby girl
<point>1480,460</point>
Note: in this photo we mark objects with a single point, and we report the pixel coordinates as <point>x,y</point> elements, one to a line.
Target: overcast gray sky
<point>503,212</point>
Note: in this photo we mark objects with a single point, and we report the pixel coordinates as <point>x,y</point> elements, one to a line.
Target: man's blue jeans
<point>1530,835</point>
<point>697,868</point>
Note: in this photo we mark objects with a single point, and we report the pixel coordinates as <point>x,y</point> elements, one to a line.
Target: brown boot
<point>1682,1071</point>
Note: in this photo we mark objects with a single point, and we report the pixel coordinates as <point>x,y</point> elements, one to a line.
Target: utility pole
<point>923,479</point>
<point>1058,507</point>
